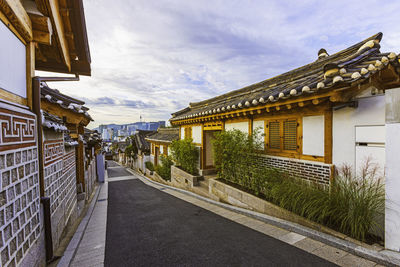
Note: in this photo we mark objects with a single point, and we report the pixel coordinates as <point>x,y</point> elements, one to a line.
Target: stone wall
<point>19,185</point>
<point>313,171</point>
<point>182,179</point>
<point>60,183</point>
<point>90,177</point>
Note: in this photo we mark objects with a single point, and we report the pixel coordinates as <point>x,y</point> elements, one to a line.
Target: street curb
<point>73,245</point>
<point>384,257</point>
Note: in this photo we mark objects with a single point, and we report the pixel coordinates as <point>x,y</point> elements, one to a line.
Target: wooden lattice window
<point>290,135</point>
<point>274,135</point>
<point>281,135</point>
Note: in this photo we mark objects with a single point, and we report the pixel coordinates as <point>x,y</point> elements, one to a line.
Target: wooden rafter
<point>16,14</point>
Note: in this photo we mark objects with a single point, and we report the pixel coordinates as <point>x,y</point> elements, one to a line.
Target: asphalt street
<point>147,227</point>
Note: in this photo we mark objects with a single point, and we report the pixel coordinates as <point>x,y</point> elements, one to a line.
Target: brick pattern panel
<point>90,177</point>
<point>69,176</point>
<point>315,172</point>
<point>19,204</point>
<point>19,184</point>
<point>60,185</point>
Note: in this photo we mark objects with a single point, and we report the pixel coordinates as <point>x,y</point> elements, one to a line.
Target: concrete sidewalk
<point>86,247</point>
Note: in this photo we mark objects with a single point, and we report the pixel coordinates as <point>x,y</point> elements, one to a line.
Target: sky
<point>152,58</point>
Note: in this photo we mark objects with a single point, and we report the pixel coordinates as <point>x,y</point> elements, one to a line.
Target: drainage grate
<point>103,199</point>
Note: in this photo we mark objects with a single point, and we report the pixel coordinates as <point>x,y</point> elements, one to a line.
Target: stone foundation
<point>182,179</point>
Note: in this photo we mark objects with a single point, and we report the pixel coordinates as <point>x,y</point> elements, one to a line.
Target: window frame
<point>281,149</point>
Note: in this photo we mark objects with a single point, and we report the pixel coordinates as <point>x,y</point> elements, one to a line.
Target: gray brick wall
<point>315,172</point>
<point>19,204</point>
<point>60,185</point>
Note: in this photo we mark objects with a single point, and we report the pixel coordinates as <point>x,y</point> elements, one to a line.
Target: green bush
<point>164,169</point>
<point>350,205</point>
<point>149,165</point>
<point>186,155</point>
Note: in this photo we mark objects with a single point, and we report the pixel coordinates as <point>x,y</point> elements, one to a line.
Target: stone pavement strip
<point>91,248</point>
<point>90,251</point>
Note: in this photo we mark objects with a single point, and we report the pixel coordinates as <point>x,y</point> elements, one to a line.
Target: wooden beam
<point>41,27</point>
<point>16,14</point>
<point>59,31</point>
<point>30,72</point>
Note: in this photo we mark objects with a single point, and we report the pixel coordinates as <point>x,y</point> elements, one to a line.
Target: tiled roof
<point>352,65</point>
<point>66,102</point>
<point>166,135</point>
<point>91,137</point>
<point>53,122</point>
<point>68,141</point>
<point>140,140</point>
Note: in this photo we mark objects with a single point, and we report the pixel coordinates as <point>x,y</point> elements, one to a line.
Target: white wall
<point>370,111</point>
<point>259,125</point>
<point>161,149</point>
<point>313,135</point>
<point>242,126</point>
<point>182,132</point>
<point>196,134</point>
<point>12,62</point>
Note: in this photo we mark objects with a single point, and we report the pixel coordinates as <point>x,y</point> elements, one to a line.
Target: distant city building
<point>116,132</point>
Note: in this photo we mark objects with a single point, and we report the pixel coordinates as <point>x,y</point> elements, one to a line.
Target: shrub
<point>149,165</point>
<point>186,155</point>
<point>350,205</point>
<point>164,169</point>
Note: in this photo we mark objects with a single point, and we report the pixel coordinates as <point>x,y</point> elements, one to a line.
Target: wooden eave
<point>386,79</point>
<point>69,49</point>
<point>68,115</point>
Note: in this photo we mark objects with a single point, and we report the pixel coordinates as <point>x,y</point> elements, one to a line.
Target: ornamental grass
<point>351,204</point>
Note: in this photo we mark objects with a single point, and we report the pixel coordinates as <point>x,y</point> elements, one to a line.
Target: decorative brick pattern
<point>60,185</point>
<point>17,128</point>
<point>19,204</point>
<point>53,151</point>
<point>315,172</point>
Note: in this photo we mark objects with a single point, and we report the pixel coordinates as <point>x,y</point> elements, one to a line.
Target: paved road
<point>114,170</point>
<point>147,227</point>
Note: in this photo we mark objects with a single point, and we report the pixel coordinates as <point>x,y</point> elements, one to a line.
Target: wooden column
<point>328,136</point>
<point>80,160</point>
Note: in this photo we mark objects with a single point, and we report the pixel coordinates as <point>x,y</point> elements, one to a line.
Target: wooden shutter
<point>290,135</point>
<point>274,135</point>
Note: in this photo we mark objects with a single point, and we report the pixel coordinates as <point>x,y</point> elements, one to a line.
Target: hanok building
<point>160,143</point>
<point>315,117</point>
<point>76,117</point>
<point>142,149</point>
<point>35,35</point>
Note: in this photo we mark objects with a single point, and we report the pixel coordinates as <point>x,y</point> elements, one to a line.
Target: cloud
<point>152,58</point>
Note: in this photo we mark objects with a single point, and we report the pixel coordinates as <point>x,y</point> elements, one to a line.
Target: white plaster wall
<point>161,149</point>
<point>182,132</point>
<point>13,62</point>
<point>313,135</point>
<point>370,111</point>
<point>242,126</point>
<point>196,134</point>
<point>392,187</point>
<point>259,125</point>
